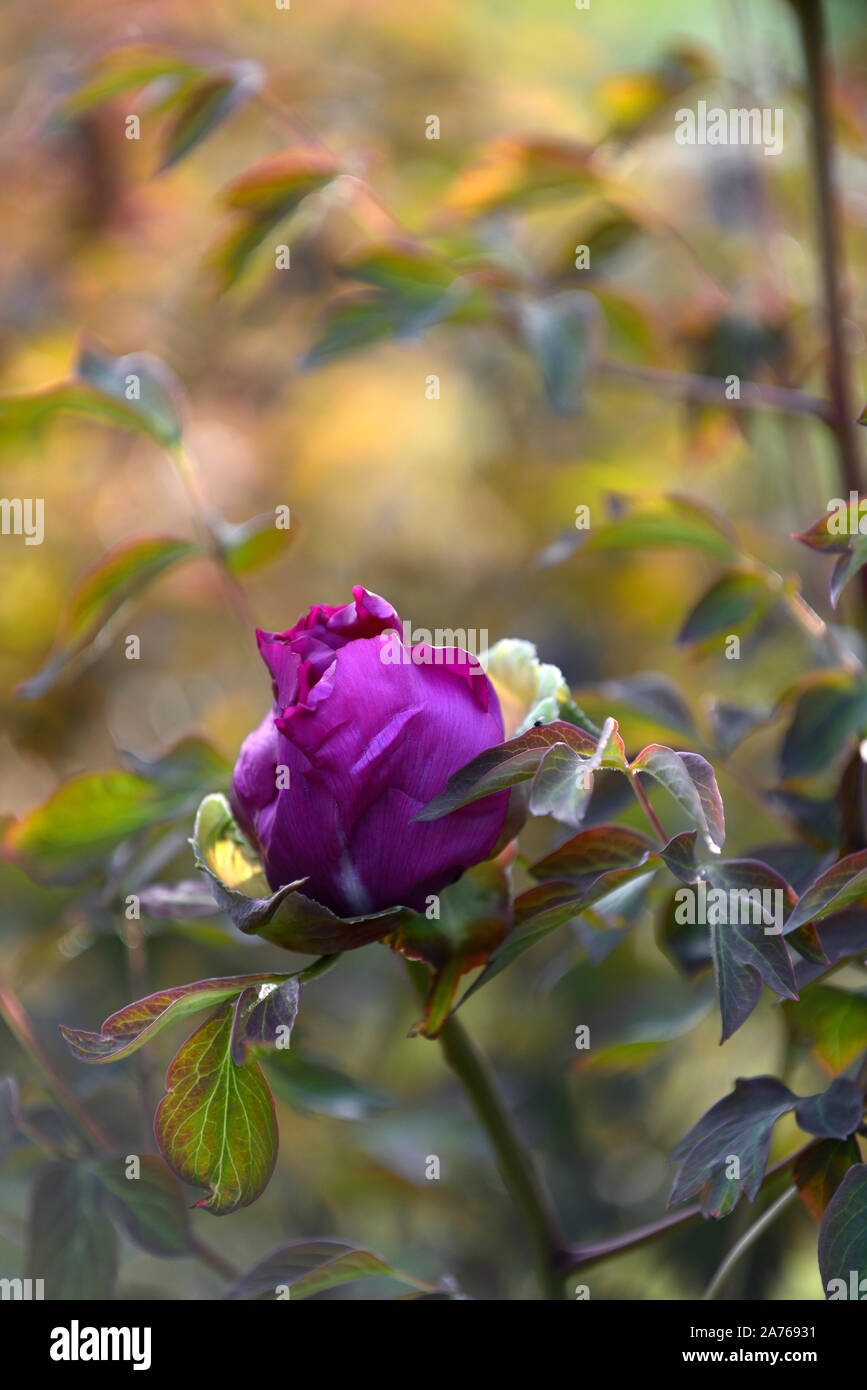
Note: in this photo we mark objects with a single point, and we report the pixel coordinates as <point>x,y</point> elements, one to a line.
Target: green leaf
<point>512,171</point>
<point>190,765</point>
<point>285,918</point>
<point>135,1024</point>
<point>474,917</point>
<point>733,603</point>
<point>71,1243</point>
<point>542,910</point>
<point>216,1126</point>
<point>158,404</point>
<point>124,69</point>
<point>594,851</point>
<point>745,958</point>
<point>262,197</point>
<point>670,521</point>
<point>206,105</point>
<point>731,724</point>
<point>309,1267</point>
<point>833,1022</point>
<point>69,834</point>
<point>821,1168</point>
<point>121,575</point>
<point>690,779</point>
<point>251,544</point>
<point>652,695</point>
<point>561,334</point>
<point>840,533</point>
<point>308,1084</point>
<point>844,883</point>
<point>738,1126</point>
<point>554,757</point>
<point>843,1237</point>
<point>835,1113</point>
<point>150,1208</point>
<point>136,392</point>
<point>830,711</point>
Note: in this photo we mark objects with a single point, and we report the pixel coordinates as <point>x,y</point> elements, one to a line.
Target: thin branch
<point>580,1256</point>
<point>710,390</point>
<point>747,1241</point>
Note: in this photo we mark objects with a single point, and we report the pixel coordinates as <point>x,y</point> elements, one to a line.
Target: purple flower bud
<point>364,732</point>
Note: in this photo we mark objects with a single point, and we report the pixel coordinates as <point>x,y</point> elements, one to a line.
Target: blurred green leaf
<point>733,603</point>
<point>308,1084</point>
<point>561,334</point>
<point>119,576</point>
<point>65,838</point>
<point>71,1242</point>
<point>251,544</point>
<point>834,1023</point>
<point>310,1267</point>
<point>262,197</point>
<point>150,1208</point>
<point>124,69</point>
<point>206,105</point>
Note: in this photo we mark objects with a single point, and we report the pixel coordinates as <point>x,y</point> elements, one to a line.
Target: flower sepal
<point>286,917</point>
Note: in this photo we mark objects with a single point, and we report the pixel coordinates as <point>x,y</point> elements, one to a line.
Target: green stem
<point>15,1016</point>
<point>747,1240</point>
<point>813,32</point>
<point>516,1165</point>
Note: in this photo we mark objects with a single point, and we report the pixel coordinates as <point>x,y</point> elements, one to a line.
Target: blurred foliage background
<point>444,506</point>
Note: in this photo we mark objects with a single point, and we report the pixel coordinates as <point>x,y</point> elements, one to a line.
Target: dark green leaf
<point>840,886</point>
<point>308,1084</point>
<point>150,1208</point>
<point>843,1238</point>
<point>835,1113</point>
<point>732,604</point>
<point>690,779</point>
<point>738,1128</point>
<point>830,711</point>
<point>71,1242</point>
